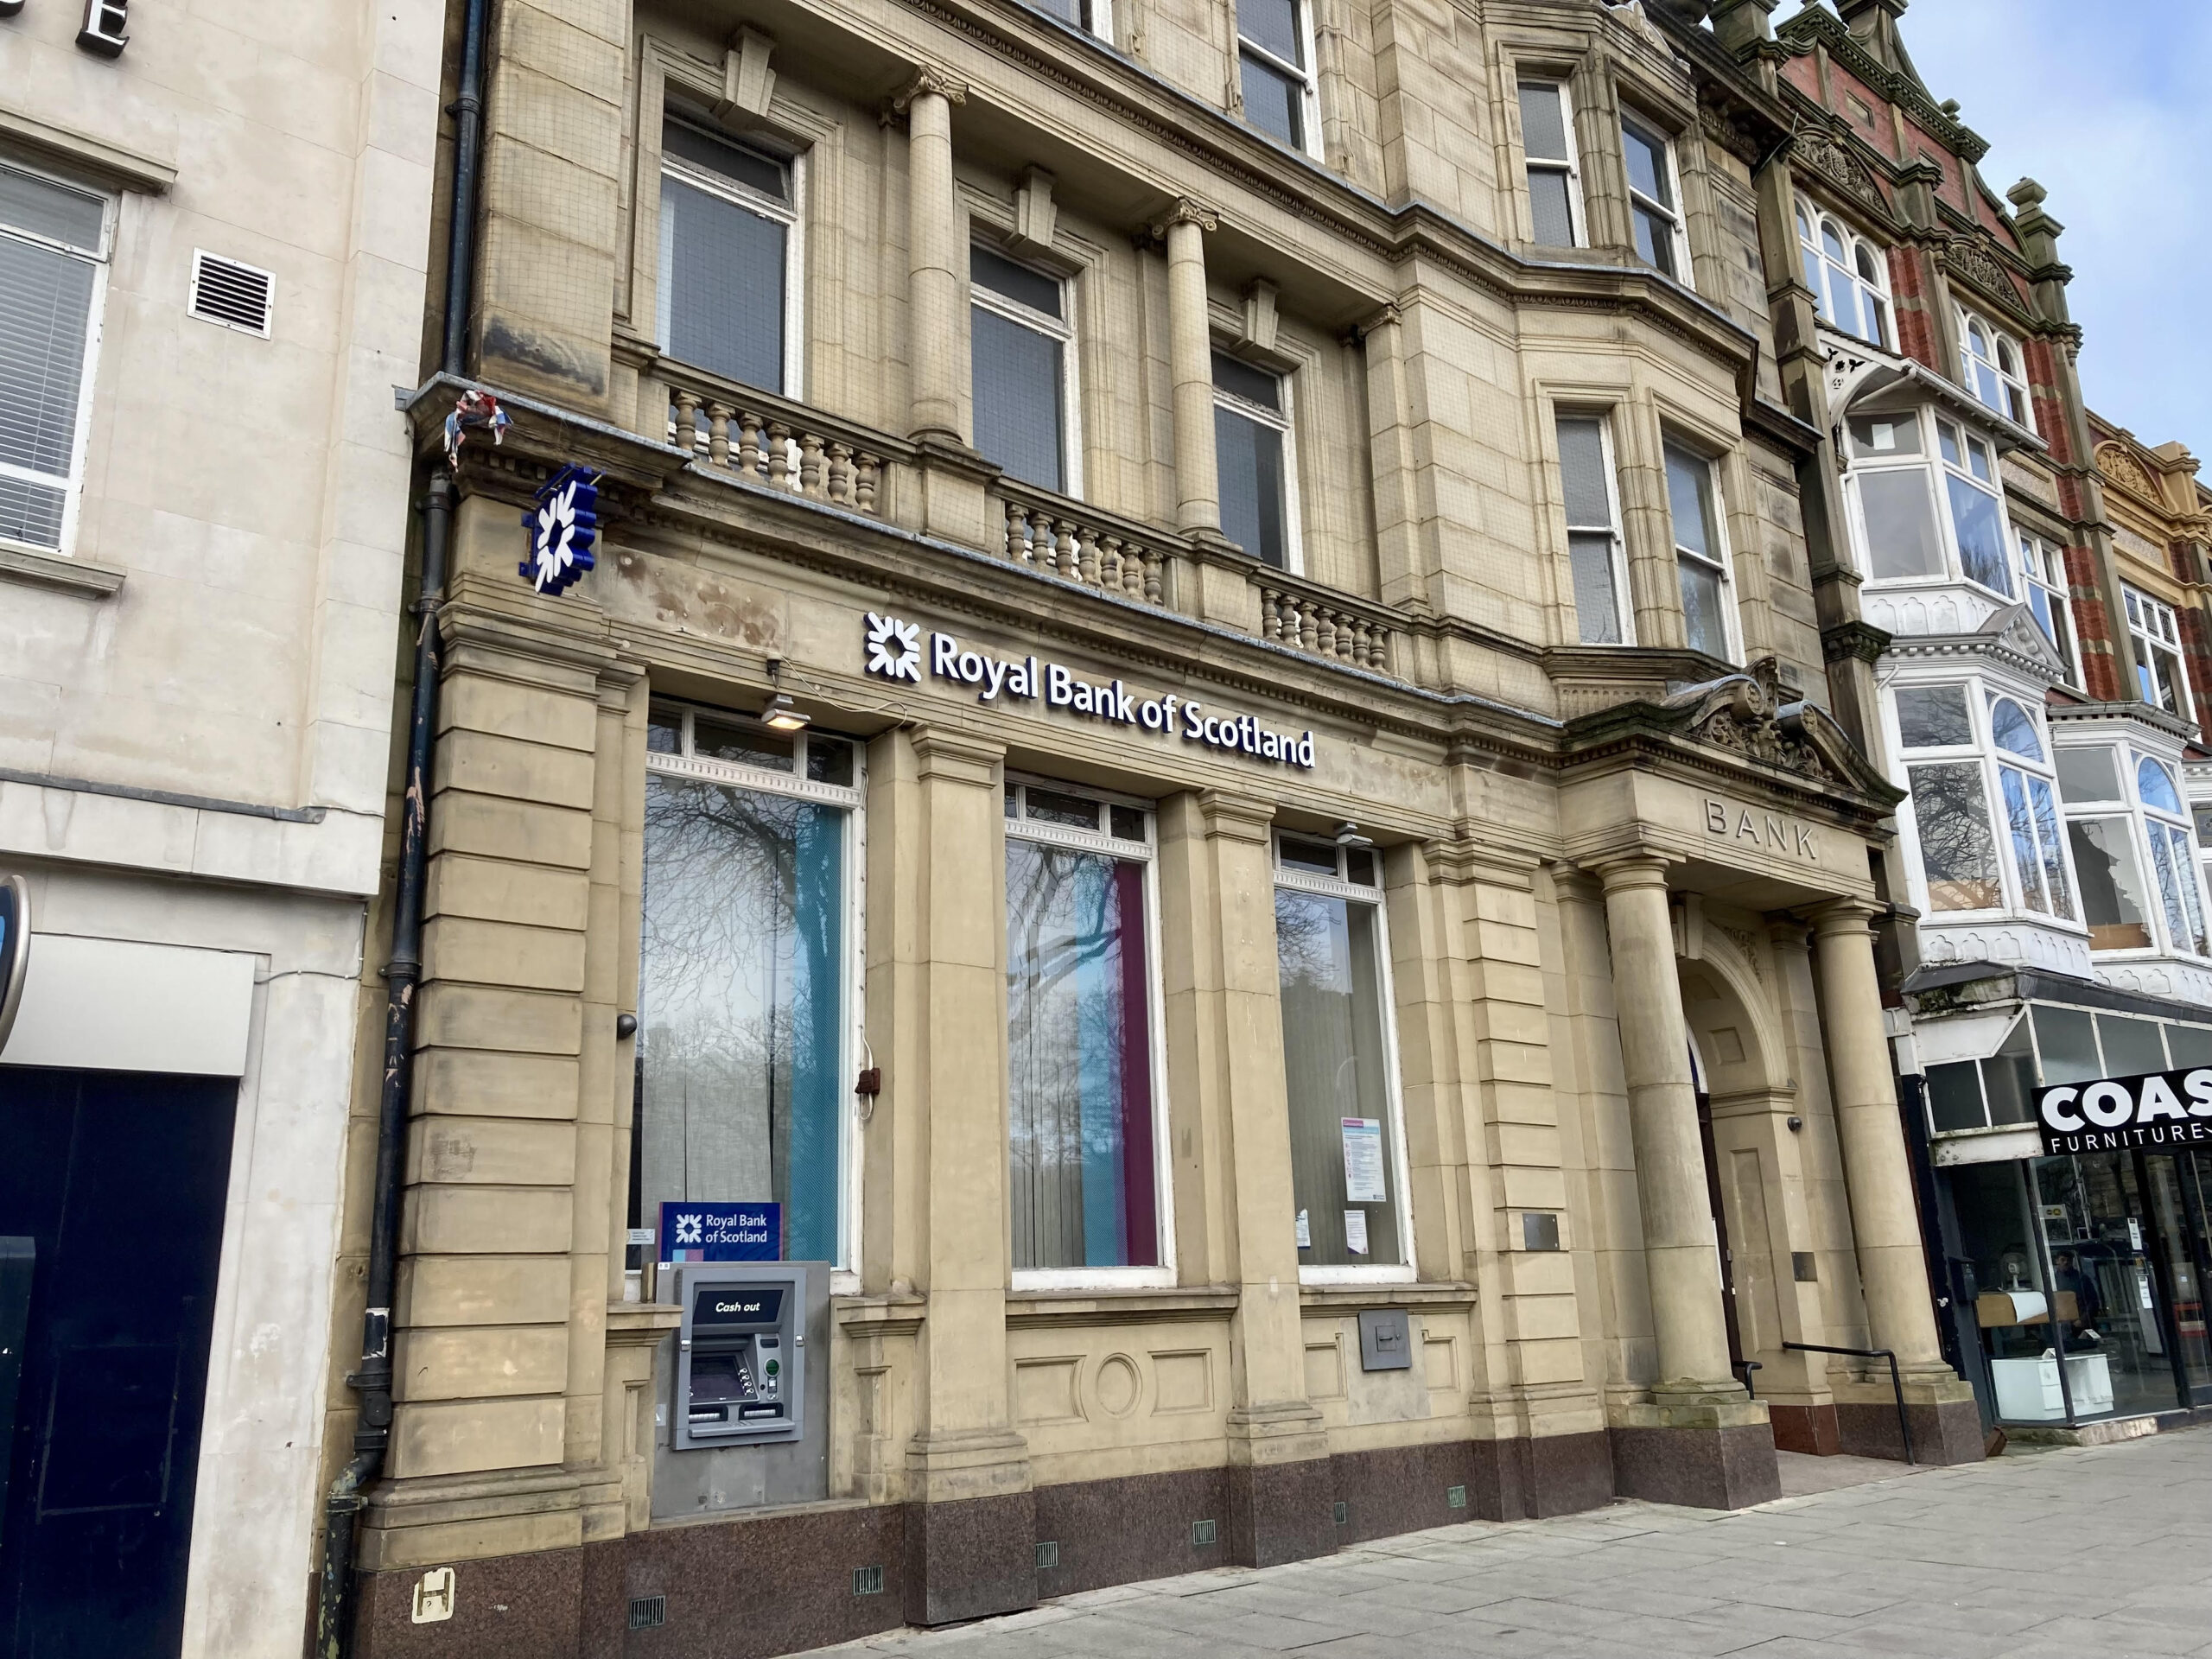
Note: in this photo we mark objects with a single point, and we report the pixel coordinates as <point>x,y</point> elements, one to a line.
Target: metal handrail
<point>1896,1380</point>
<point>1744,1367</point>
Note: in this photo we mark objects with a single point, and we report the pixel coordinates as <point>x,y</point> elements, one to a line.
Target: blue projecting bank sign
<point>692,1232</point>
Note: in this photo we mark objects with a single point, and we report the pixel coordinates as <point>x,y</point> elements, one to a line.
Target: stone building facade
<point>1224,693</point>
<point>211,226</point>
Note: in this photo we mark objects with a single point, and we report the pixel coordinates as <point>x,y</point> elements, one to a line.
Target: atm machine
<point>744,1417</point>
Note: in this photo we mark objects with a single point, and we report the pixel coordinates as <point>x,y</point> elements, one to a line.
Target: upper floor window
<point>1594,547</point>
<point>1891,478</point>
<point>1992,368</point>
<point>1654,198</point>
<point>1024,403</point>
<point>1700,554</point>
<point>1253,455</point>
<point>1950,798</point>
<point>2101,827</point>
<point>1554,179</point>
<point>1275,69</point>
<point>1347,1148</point>
<point>2024,789</point>
<point>53,250</point>
<point>1092,16</point>
<point>2160,679</point>
<point>1083,1024</point>
<point>2043,571</point>
<point>1845,276</point>
<point>728,253</point>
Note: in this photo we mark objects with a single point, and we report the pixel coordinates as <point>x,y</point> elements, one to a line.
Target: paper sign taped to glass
<point>1364,1160</point>
<point>695,1232</point>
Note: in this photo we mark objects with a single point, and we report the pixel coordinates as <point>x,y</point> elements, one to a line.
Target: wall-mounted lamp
<point>1348,836</point>
<point>782,715</point>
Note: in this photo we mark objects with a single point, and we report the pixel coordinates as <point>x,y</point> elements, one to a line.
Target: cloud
<point>2103,104</point>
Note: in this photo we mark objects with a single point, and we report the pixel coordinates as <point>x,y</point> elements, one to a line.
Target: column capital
<point>929,81</point>
<point>1187,210</point>
<point>958,757</point>
<point>1237,817</point>
<point>1843,917</point>
<point>1642,867</point>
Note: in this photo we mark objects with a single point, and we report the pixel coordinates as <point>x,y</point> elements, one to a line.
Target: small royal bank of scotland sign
<point>694,1230</point>
<point>564,523</point>
<point>2158,1111</point>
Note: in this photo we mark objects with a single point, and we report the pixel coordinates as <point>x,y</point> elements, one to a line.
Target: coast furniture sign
<point>2158,1111</point>
<point>895,652</point>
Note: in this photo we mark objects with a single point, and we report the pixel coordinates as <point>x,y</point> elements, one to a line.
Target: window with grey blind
<point>727,231</point>
<point>1593,530</point>
<point>1019,351</point>
<point>1251,433</point>
<point>53,246</point>
<point>1275,73</point>
<point>1547,148</point>
<point>1700,553</point>
<point>1652,200</point>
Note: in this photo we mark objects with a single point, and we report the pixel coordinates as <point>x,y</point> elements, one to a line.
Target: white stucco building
<point>212,229</point>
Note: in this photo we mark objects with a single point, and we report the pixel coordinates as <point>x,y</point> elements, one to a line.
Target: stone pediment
<point>1751,715</point>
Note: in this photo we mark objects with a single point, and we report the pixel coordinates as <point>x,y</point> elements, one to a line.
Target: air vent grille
<point>235,295</point>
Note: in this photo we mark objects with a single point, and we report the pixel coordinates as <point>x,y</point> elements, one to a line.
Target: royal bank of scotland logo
<point>894,648</point>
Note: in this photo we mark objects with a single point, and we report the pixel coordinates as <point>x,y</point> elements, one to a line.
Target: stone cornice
<point>1814,23</point>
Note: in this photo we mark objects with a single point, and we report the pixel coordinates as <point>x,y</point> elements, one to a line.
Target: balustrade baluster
<point>810,464</point>
<point>687,422</point>
<point>841,473</point>
<point>749,444</point>
<point>1109,562</point>
<point>1152,563</point>
<point>779,455</point>
<point>1017,533</point>
<point>718,434</point>
<point>1270,613</point>
<point>1087,555</point>
<point>864,485</point>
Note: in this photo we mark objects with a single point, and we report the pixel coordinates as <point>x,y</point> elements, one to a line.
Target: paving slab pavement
<point>2082,1553</point>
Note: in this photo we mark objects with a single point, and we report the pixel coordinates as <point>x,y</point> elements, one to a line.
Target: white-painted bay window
<point>1087,1171</point>
<point>2120,804</point>
<point>1945,774</point>
<point>1894,478</point>
<point>1553,174</point>
<point>1992,367</point>
<point>730,288</point>
<point>1701,553</point>
<point>1594,545</point>
<point>2042,573</point>
<point>1347,1138</point>
<point>1021,341</point>
<point>54,261</point>
<point>2161,679</point>
<point>1847,275</point>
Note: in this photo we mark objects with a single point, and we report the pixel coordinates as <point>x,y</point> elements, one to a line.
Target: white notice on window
<point>1305,1232</point>
<point>1364,1160</point>
<point>1356,1231</point>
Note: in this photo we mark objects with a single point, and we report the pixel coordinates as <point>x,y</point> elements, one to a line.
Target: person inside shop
<point>2088,1301</point>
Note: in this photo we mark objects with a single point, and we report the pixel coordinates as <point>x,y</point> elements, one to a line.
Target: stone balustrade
<point>779,444</point>
<point>1322,625</point>
<point>1048,533</point>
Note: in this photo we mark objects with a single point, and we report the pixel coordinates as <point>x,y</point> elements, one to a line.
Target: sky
<point>2103,102</point>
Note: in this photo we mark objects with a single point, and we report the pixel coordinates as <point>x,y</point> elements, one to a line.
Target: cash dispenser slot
<point>739,1376</point>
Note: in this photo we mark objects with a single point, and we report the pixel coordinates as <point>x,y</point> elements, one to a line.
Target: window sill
<point>1032,1309</point>
<point>21,565</point>
<point>109,163</point>
<point>1338,1296</point>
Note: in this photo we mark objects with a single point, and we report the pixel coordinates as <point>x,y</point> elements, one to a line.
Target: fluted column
<point>1681,1251</point>
<point>1190,363</point>
<point>934,296</point>
<point>1877,1171</point>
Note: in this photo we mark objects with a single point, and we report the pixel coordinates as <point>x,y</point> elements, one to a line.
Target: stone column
<point>1720,1452</point>
<point>937,1015</point>
<point>1885,1220</point>
<point>935,267</point>
<point>1190,363</point>
<point>1224,1001</point>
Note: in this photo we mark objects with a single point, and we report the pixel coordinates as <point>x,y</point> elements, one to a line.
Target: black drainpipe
<point>335,1614</point>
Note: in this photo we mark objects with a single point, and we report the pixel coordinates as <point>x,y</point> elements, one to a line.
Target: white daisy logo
<point>563,526</point>
<point>689,1229</point>
<point>894,648</point>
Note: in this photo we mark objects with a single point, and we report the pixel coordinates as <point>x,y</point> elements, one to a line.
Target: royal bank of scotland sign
<point>2158,1111</point>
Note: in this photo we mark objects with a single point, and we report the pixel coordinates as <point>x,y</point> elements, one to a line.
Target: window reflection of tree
<point>723,993</point>
<point>1065,936</point>
<point>1957,852</point>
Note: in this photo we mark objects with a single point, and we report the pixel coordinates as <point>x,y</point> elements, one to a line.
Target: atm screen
<point>713,1305</point>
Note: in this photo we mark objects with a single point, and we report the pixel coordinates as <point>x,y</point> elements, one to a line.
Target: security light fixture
<point>782,715</point>
<point>1348,836</point>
